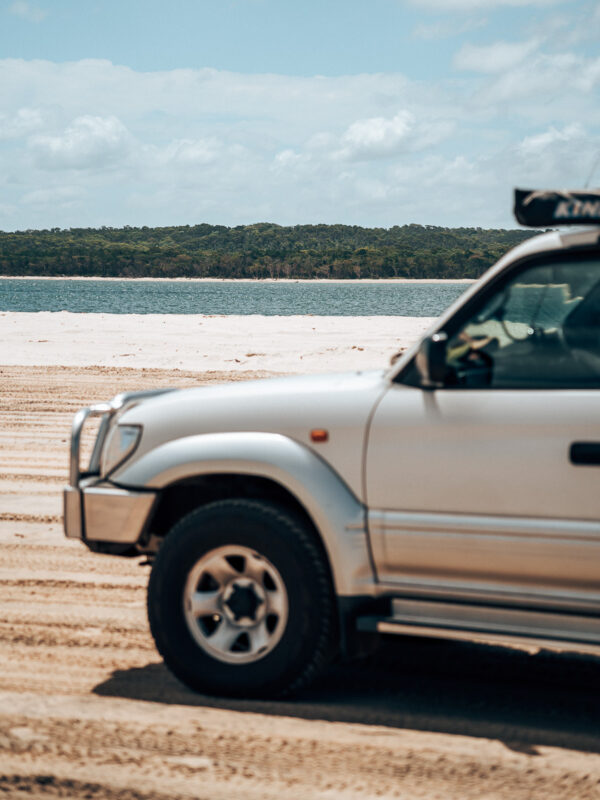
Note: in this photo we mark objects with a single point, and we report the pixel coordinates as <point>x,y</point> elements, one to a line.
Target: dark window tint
<point>539,330</point>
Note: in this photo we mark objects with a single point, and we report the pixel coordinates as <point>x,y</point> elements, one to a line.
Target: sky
<point>362,112</point>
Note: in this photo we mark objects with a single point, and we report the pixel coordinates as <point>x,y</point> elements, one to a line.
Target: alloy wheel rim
<point>235,604</point>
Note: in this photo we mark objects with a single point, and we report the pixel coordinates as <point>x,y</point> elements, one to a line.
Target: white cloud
<point>65,196</point>
<point>547,85</point>
<point>559,152</point>
<point>286,159</point>
<point>556,157</point>
<point>368,140</point>
<point>376,137</point>
<point>497,57</point>
<point>31,13</point>
<point>183,96</point>
<point>187,146</point>
<point>189,152</point>
<point>540,144</point>
<point>88,143</point>
<point>22,123</point>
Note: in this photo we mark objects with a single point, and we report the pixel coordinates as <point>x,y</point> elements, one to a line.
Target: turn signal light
<point>319,435</point>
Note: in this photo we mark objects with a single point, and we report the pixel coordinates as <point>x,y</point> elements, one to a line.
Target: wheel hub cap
<point>244,602</point>
<point>235,604</point>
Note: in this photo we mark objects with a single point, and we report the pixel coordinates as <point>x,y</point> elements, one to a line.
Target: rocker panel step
<point>488,624</point>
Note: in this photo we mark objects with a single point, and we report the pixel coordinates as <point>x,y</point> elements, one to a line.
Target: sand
<point>88,710</point>
<point>206,343</point>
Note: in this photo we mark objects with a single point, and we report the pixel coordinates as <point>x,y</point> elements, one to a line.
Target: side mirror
<point>431,360</point>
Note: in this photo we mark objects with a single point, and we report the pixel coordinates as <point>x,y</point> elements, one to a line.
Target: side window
<point>539,330</point>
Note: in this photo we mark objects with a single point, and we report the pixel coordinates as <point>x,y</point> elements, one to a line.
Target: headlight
<point>121,443</point>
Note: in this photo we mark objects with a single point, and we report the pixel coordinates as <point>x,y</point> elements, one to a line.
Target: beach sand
<point>293,344</point>
<point>88,710</point>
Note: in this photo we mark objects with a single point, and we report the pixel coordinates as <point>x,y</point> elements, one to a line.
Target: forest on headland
<point>262,250</point>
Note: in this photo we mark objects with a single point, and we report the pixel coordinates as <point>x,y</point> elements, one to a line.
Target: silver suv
<point>455,495</point>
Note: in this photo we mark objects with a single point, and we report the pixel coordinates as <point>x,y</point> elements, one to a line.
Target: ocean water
<point>228,297</point>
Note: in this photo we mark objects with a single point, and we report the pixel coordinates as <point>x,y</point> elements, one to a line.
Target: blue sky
<point>367,112</point>
<point>330,37</point>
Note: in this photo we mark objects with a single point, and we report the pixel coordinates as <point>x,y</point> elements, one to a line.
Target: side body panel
<point>473,495</point>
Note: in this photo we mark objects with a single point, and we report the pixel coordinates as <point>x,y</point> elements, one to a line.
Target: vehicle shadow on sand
<point>447,687</point>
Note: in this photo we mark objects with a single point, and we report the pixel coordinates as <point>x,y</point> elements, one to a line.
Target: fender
<point>335,511</point>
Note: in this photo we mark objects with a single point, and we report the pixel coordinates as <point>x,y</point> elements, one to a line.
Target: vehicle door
<point>488,487</point>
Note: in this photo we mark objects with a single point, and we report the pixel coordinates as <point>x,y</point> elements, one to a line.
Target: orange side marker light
<point>319,435</point>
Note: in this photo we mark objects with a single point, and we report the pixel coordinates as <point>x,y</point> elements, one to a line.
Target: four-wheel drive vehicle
<point>456,495</point>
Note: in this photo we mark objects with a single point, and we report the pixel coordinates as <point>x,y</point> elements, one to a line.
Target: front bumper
<point>105,513</point>
<point>96,510</point>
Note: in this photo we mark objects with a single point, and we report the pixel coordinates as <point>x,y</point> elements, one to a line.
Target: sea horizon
<point>140,279</point>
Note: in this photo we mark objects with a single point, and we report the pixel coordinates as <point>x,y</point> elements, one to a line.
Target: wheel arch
<point>179,498</point>
<point>193,471</point>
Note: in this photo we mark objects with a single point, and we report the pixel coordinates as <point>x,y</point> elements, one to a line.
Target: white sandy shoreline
<point>197,342</point>
<point>315,281</point>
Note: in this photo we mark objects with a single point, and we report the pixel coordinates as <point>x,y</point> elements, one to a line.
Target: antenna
<point>594,168</point>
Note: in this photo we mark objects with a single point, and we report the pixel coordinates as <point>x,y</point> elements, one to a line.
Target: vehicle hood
<point>340,404</point>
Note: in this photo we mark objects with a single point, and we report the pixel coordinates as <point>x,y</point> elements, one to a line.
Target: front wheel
<point>240,601</point>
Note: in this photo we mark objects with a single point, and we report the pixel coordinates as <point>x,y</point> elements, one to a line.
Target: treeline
<point>262,250</point>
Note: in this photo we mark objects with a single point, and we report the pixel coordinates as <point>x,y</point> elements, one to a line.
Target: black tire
<point>304,636</point>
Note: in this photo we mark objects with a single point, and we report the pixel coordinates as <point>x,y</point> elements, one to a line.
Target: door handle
<point>585,453</point>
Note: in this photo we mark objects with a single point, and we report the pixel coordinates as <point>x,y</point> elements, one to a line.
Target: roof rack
<point>546,209</point>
